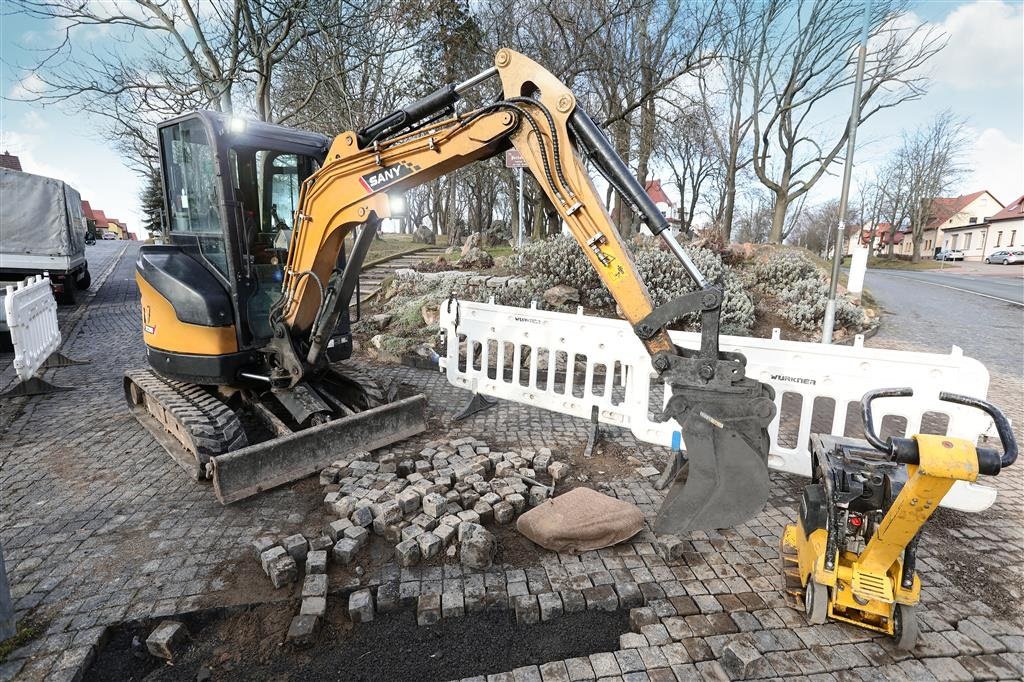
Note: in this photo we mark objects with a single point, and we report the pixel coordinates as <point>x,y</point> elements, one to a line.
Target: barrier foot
<point>33,386</point>
<point>595,433</point>
<point>478,403</point>
<point>58,359</point>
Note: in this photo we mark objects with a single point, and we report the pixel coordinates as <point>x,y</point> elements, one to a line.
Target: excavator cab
<point>231,192</point>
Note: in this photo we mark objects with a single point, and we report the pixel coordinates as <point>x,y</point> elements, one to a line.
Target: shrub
<point>805,301</point>
<point>783,269</point>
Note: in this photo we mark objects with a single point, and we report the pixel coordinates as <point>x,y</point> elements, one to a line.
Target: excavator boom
<point>722,414</point>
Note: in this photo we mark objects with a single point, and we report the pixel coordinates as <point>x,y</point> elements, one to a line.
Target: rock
<point>452,251</point>
<point>431,314</point>
<point>562,295</point>
<point>424,235</point>
<point>166,640</point>
<point>360,606</point>
<point>472,242</point>
<point>476,259</point>
<point>380,320</point>
<point>478,546</point>
<point>558,471</point>
<point>302,630</point>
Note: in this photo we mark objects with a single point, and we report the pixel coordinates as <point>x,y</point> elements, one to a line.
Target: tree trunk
<point>778,220</point>
<point>729,207</point>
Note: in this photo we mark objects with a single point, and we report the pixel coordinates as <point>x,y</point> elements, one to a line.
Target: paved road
<point>996,286</point>
<point>932,311</point>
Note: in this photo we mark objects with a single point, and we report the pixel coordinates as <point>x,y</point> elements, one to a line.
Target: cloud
<point>998,163</point>
<point>984,48</point>
<point>29,87</point>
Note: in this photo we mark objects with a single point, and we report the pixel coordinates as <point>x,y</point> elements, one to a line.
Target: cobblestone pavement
<point>99,526</point>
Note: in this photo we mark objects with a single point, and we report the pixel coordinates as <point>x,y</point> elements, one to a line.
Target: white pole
<point>522,222</point>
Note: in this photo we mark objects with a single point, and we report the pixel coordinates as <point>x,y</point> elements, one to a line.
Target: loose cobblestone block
<point>446,533</point>
<point>469,516</point>
<point>315,585</point>
<point>303,629</point>
<point>345,551</point>
<point>344,506</point>
<point>558,471</point>
<point>410,532</point>
<point>542,460</point>
<point>407,552</point>
<point>362,516</point>
<point>478,546</point>
<point>388,463</point>
<point>167,639</point>
<point>328,476</point>
<point>331,498</point>
<point>428,609</point>
<point>554,671</point>
<point>359,534</point>
<point>601,598</point>
<point>632,640</point>
<point>388,597</point>
<point>517,501</point>
<point>269,555</point>
<point>670,547</point>
<point>550,605</point>
<point>580,670</point>
<point>573,601</point>
<point>453,604</point>
<point>527,609</point>
<point>297,547</point>
<point>336,529</point>
<point>640,617</point>
<point>313,606</point>
<point>741,661</point>
<point>316,562</point>
<point>261,545</point>
<point>282,571</point>
<point>435,505</point>
<point>408,501</point>
<point>430,545</point>
<point>425,521</point>
<point>503,513</point>
<point>360,606</point>
<point>484,511</point>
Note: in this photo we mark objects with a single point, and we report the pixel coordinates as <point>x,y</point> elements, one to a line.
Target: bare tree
<point>932,156</point>
<point>806,56</point>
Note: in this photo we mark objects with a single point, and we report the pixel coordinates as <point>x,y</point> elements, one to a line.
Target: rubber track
<point>375,395</point>
<point>213,427</point>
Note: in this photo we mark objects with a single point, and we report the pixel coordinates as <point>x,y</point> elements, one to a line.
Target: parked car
<point>109,235</point>
<point>950,254</point>
<point>1006,256</point>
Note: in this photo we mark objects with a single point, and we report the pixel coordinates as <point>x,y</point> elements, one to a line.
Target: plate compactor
<point>850,556</point>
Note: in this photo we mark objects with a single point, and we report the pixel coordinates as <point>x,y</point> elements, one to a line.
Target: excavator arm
<point>723,415</point>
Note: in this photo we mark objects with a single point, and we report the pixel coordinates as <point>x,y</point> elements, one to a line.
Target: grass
<point>27,631</point>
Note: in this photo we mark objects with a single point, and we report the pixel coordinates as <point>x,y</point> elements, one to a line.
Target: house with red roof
<point>959,223</point>
<point>8,160</point>
<point>1006,228</point>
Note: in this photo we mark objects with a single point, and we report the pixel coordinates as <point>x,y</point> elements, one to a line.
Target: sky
<point>979,76</point>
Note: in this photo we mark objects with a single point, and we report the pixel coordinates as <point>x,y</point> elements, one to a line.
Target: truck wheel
<point>85,282</point>
<point>906,630</point>
<point>67,295</point>
<point>816,603</point>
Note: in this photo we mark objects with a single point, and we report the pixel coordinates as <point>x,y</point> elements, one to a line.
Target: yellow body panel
<point>161,328</point>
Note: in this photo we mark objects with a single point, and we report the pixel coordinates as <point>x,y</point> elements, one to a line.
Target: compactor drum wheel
<point>816,603</point>
<point>789,561</point>
<point>905,626</point>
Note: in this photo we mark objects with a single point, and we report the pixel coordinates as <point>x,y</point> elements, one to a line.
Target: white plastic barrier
<point>507,351</point>
<point>32,318</point>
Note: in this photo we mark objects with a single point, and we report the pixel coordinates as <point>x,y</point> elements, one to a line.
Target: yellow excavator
<point>245,314</point>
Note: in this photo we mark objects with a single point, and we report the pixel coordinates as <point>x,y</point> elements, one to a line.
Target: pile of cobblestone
<point>438,501</point>
<point>435,502</point>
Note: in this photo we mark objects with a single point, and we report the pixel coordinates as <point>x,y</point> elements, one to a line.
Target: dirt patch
<point>609,462</point>
<point>248,644</point>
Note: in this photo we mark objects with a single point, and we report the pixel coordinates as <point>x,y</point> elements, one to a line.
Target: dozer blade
<point>242,473</point>
<point>727,472</point>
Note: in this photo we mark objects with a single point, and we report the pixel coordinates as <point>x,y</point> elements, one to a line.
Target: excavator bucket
<point>242,473</point>
<point>723,480</point>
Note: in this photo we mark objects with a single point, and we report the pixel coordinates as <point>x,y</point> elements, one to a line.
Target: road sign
<point>513,159</point>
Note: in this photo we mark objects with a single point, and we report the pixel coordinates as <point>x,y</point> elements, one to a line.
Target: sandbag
<point>580,520</point>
